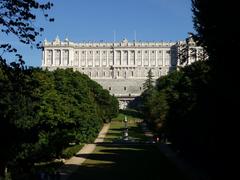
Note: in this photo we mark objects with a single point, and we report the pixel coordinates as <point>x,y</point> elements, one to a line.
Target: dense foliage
<point>179,108</point>
<point>17,18</point>
<point>42,112</point>
<point>197,106</point>
<point>217,26</point>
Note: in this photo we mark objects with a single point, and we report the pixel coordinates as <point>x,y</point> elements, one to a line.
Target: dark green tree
<point>217,27</point>
<point>179,107</point>
<point>17,108</point>
<point>17,114</point>
<point>42,112</point>
<point>49,111</point>
<point>148,84</point>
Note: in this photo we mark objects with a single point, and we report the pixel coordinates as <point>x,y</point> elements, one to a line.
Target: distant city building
<point>120,67</point>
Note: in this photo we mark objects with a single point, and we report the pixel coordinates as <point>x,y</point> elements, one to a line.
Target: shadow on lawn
<point>117,133</point>
<point>125,162</point>
<point>134,133</point>
<point>116,129</point>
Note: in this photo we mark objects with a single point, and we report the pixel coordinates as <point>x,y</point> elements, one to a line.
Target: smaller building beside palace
<point>120,67</point>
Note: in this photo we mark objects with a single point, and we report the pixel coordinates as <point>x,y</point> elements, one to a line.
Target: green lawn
<point>121,117</point>
<point>115,131</point>
<point>117,162</point>
<point>117,127</point>
<point>123,161</point>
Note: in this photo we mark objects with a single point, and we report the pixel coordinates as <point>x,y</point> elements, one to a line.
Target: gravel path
<point>72,164</point>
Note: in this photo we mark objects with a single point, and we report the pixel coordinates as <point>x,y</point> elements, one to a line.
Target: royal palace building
<point>120,67</point>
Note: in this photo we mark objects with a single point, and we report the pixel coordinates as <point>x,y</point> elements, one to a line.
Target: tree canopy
<point>42,112</point>
<point>17,18</point>
<point>48,111</point>
<point>198,103</point>
<point>217,27</point>
<point>148,84</point>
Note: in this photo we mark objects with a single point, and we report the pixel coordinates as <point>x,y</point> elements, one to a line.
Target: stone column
<point>163,58</point>
<point>149,62</point>
<point>142,58</point>
<point>114,57</point>
<point>43,58</point>
<point>107,63</point>
<point>177,58</point>
<point>61,58</point>
<point>121,57</point>
<point>135,59</point>
<point>86,60</point>
<point>79,58</point>
<point>71,54</point>
<point>128,58</point>
<point>53,57</point>
<point>68,58</point>
<point>93,57</point>
<point>156,61</point>
<point>100,58</point>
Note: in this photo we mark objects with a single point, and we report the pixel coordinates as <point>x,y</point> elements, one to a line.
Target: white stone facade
<point>120,67</point>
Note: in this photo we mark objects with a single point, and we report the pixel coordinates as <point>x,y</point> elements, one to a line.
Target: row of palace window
<point>123,74</point>
<point>124,88</point>
<point>66,52</point>
<point>65,60</point>
<point>118,61</point>
<point>104,52</point>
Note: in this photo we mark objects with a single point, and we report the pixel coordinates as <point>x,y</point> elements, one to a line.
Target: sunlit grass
<point>118,125</point>
<point>121,117</point>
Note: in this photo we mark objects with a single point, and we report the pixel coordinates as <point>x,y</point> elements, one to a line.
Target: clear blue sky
<point>95,20</point>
